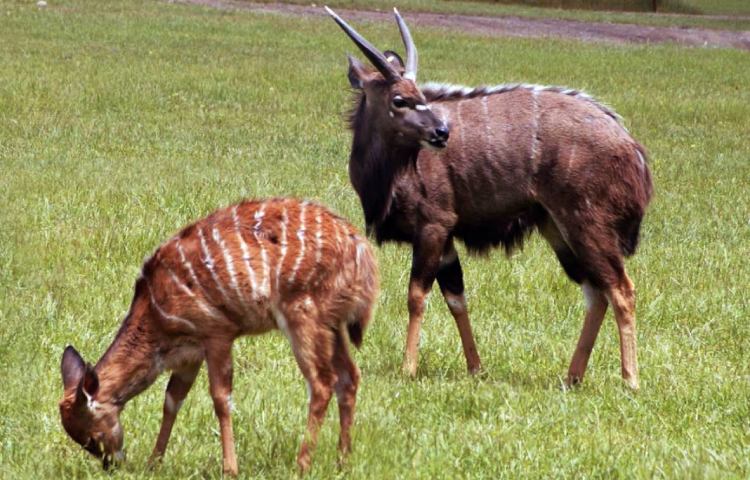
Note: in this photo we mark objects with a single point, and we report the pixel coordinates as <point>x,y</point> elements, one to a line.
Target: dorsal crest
<point>436,92</point>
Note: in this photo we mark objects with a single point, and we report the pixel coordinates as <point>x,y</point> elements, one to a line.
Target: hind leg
<point>313,346</point>
<point>346,390</point>
<point>596,303</point>
<point>596,307</point>
<point>622,298</point>
<point>590,255</point>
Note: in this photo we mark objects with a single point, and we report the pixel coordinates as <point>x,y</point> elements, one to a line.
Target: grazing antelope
<point>243,270</point>
<point>520,157</point>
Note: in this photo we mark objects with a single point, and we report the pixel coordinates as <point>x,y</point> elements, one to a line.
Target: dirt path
<point>517,26</point>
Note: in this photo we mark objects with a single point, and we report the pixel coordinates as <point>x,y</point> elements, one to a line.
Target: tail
<point>367,286</point>
<point>628,226</point>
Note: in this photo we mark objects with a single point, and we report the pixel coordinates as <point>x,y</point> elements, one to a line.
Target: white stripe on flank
<point>281,322</point>
<point>188,266</point>
<point>487,129</point>
<point>208,261</point>
<point>318,244</point>
<point>301,236</point>
<point>642,165</point>
<point>207,309</point>
<point>443,113</point>
<point>283,242</point>
<point>166,315</point>
<point>245,253</point>
<point>335,225</point>
<point>460,127</point>
<point>361,249</point>
<point>534,125</point>
<point>265,288</point>
<point>230,266</point>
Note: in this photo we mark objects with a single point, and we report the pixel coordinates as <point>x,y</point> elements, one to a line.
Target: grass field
<point>737,12</point>
<point>704,7</point>
<point>121,122</point>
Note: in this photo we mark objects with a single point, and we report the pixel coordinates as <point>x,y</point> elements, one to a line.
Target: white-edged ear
<point>395,60</point>
<point>90,383</point>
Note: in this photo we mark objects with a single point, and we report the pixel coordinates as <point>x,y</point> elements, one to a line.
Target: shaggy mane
<point>435,92</point>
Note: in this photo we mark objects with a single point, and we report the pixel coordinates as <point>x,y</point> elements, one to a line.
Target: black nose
<point>442,132</point>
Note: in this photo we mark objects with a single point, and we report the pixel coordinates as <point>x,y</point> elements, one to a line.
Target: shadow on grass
<point>455,372</point>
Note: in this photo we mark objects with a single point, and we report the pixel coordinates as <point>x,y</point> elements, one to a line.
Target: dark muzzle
<point>440,136</point>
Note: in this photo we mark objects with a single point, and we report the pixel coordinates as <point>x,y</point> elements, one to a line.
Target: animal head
<point>93,425</point>
<point>397,106</point>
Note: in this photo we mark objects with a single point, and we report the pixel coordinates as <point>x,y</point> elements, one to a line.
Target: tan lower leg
<point>227,445</point>
<point>596,307</point>
<point>346,393</point>
<point>623,303</point>
<point>416,312</point>
<point>320,396</point>
<point>219,363</point>
<point>177,389</point>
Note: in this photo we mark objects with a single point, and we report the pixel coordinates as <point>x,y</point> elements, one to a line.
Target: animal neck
<point>375,162</point>
<point>131,363</point>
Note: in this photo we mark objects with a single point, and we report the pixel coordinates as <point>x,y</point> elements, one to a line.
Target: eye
<point>399,102</point>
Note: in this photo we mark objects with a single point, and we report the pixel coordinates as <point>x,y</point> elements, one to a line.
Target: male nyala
<point>436,163</point>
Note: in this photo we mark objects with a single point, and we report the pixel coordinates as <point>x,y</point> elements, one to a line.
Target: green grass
<point>708,7</point>
<point>705,7</point>
<point>121,122</point>
<point>739,21</point>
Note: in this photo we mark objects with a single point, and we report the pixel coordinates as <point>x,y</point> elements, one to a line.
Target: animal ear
<point>395,60</point>
<point>72,367</point>
<point>358,73</point>
<point>90,383</point>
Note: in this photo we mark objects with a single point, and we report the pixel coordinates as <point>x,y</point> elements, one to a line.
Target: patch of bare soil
<point>516,26</point>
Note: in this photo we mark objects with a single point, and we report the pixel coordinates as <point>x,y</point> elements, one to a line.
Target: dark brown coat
<point>519,158</point>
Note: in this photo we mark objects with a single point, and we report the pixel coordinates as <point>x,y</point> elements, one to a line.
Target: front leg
<point>451,280</point>
<point>177,389</point>
<point>219,363</point>
<point>428,248</point>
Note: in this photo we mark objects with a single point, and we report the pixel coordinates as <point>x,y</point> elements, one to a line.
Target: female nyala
<point>243,270</point>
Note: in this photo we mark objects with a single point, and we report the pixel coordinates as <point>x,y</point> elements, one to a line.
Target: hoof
<point>571,382</point>
<point>303,461</point>
<point>409,369</point>
<point>154,461</point>
<point>230,471</point>
<point>632,384</point>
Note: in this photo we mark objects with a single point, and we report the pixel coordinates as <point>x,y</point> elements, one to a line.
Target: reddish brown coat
<point>243,270</point>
